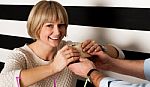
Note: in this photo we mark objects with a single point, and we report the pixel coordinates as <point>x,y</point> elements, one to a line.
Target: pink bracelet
<point>54,82</point>
<point>18,81</point>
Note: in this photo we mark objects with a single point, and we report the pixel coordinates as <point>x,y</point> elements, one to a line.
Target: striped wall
<point>125,23</point>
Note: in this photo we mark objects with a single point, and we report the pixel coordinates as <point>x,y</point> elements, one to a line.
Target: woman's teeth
<point>53,38</point>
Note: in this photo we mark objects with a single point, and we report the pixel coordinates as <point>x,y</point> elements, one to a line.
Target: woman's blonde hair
<point>45,11</point>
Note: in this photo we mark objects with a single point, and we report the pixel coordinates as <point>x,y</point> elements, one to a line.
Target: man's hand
<point>82,68</point>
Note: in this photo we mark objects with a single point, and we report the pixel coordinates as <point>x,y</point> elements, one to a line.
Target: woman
<point>44,62</point>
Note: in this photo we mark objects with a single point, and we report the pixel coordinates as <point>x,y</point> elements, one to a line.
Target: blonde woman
<point>44,62</point>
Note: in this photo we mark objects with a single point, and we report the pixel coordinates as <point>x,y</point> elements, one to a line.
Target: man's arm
<point>128,67</point>
<point>100,80</point>
<point>85,66</point>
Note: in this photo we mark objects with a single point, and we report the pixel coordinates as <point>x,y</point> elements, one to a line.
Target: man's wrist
<point>89,74</point>
<point>95,77</point>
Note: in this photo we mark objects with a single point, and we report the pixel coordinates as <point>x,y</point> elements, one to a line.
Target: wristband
<point>89,73</point>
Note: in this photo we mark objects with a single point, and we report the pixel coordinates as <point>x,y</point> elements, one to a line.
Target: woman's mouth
<point>54,38</point>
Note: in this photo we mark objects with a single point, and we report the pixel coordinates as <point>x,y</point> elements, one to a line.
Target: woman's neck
<point>44,52</point>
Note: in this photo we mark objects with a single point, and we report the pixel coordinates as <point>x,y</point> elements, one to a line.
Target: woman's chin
<point>56,44</point>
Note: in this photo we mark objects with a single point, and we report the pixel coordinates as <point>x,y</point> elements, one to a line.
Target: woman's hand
<point>64,57</point>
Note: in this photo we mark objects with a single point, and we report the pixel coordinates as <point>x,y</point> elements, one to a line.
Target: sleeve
<point>147,69</point>
<point>10,74</point>
<point>121,54</point>
<point>111,82</point>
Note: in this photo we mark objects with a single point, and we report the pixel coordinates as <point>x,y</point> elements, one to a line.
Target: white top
<point>25,58</point>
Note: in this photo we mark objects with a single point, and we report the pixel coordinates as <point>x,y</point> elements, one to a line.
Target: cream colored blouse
<point>25,58</point>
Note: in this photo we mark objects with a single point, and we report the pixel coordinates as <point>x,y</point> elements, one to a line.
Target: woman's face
<point>53,33</point>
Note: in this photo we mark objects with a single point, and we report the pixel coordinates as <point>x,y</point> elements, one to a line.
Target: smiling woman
<point>44,61</point>
<point>47,25</point>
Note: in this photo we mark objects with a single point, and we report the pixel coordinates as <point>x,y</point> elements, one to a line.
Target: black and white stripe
<point>123,23</point>
<point>110,17</point>
<point>106,17</point>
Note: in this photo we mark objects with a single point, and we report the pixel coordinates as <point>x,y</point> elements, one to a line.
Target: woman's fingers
<point>71,52</point>
<point>72,60</point>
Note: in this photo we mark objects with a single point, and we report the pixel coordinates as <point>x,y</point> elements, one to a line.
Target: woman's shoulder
<point>12,55</point>
<point>7,54</point>
<point>17,53</point>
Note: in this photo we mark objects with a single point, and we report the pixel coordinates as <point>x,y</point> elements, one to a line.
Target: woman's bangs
<point>55,16</point>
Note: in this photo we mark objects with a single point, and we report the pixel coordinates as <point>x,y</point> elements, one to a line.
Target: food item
<point>78,47</point>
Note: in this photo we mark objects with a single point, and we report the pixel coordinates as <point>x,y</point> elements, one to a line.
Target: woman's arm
<point>113,51</point>
<point>64,56</point>
<point>15,66</point>
<point>33,75</point>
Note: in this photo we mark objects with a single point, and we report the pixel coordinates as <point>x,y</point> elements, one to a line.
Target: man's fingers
<point>85,43</point>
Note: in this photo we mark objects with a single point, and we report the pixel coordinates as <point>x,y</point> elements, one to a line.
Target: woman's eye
<point>62,26</point>
<point>50,25</point>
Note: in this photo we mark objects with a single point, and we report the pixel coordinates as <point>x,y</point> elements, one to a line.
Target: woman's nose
<point>56,30</point>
